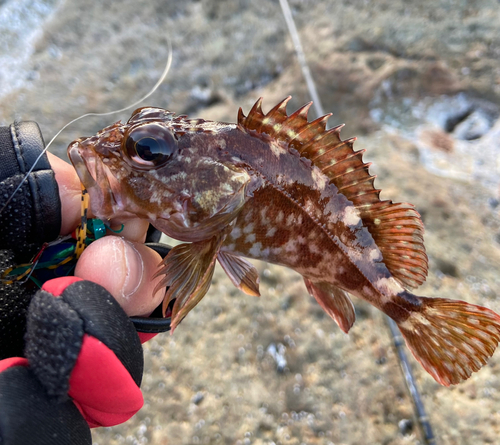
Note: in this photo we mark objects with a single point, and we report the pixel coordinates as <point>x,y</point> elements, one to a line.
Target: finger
<point>125,270</point>
<point>133,230</point>
<point>70,192</point>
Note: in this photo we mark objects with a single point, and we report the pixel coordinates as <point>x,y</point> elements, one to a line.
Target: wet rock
<point>447,268</point>
<point>277,352</point>
<point>405,426</point>
<point>198,398</point>
<point>438,139</point>
<point>497,238</point>
<point>474,126</point>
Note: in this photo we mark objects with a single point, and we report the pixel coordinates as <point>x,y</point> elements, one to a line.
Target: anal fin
<point>335,302</point>
<point>241,273</point>
<point>451,338</point>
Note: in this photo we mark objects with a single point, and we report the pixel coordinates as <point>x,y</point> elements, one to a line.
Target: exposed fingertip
<point>151,261</point>
<point>125,270</point>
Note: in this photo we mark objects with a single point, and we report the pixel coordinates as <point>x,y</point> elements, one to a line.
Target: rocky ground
<point>418,82</point>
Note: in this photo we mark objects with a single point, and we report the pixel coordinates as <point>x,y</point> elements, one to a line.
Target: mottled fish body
<point>281,189</point>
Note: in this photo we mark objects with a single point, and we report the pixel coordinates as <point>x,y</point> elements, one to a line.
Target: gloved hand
<point>71,355</point>
<point>83,367</point>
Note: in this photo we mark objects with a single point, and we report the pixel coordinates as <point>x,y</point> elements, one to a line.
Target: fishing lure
<point>279,188</point>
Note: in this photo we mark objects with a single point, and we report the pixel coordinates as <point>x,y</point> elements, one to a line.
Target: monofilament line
<point>109,113</point>
<point>311,86</point>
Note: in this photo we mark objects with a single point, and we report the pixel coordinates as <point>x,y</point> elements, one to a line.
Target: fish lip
<point>79,161</point>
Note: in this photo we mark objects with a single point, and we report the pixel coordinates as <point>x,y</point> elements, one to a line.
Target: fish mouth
<point>92,173</point>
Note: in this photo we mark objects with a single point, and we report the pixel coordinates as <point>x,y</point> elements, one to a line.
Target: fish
<point>288,191</point>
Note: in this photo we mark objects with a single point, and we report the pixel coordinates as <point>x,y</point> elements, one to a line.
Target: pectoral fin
<point>242,274</point>
<point>188,270</point>
<point>335,302</point>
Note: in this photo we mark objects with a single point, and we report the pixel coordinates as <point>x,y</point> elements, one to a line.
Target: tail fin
<point>451,339</point>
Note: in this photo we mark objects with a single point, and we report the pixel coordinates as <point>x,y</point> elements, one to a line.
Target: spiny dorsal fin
<point>396,228</point>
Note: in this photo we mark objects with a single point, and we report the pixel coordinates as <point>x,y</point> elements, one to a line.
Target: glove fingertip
<point>106,395</point>
<point>57,286</point>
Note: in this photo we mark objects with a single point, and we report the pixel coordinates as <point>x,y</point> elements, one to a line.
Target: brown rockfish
<point>284,190</point>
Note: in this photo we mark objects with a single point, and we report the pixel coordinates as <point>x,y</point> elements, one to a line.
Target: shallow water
<point>242,370</point>
<point>21,26</point>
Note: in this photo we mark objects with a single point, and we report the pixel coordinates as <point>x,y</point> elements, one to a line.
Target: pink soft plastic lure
<point>281,189</point>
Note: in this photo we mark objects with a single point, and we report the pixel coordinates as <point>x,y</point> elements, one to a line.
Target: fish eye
<point>149,145</point>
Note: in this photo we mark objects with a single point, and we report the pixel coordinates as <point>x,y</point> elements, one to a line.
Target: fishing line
<point>311,85</point>
<point>422,418</point>
<point>108,113</point>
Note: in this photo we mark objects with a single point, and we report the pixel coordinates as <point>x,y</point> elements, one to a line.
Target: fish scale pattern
<point>396,227</point>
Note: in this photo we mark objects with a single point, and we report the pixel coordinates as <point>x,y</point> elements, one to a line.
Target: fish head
<point>152,168</point>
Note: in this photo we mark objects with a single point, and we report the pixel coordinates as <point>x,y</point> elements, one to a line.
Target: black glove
<point>32,217</point>
<point>71,357</point>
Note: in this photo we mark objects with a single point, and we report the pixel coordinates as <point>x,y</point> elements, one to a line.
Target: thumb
<point>125,269</point>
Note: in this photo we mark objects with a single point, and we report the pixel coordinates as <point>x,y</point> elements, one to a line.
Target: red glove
<point>83,363</point>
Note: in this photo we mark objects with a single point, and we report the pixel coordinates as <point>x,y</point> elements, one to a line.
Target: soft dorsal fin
<point>396,228</point>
